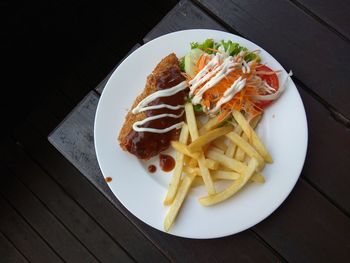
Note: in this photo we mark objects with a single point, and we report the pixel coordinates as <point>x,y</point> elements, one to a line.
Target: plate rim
<point>272,209</point>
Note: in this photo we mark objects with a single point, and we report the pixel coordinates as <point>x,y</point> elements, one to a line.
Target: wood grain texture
<point>327,163</point>
<point>183,16</point>
<point>307,228</point>
<point>87,196</point>
<point>9,253</point>
<point>26,240</point>
<point>317,56</point>
<point>99,88</point>
<point>335,13</point>
<point>80,142</point>
<point>66,210</point>
<point>45,223</point>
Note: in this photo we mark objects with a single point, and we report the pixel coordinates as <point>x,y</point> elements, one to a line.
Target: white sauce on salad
<point>142,106</point>
<point>236,87</point>
<point>216,69</point>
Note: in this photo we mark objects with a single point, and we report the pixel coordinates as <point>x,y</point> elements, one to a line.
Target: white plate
<point>283,129</point>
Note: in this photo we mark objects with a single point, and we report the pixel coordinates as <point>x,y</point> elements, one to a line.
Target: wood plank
<point>299,45</point>
<point>307,228</point>
<point>23,236</point>
<point>70,213</point>
<point>99,88</point>
<point>45,223</point>
<point>326,165</point>
<point>8,252</point>
<point>335,13</point>
<point>87,197</point>
<point>318,116</point>
<point>74,138</point>
<point>80,149</point>
<point>183,16</point>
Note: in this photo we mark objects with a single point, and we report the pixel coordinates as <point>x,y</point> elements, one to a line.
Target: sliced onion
<point>278,93</point>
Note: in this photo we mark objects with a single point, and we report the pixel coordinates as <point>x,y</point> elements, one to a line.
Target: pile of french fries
<point>210,154</point>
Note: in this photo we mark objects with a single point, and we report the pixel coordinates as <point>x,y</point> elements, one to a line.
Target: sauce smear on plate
<point>152,168</point>
<point>166,162</point>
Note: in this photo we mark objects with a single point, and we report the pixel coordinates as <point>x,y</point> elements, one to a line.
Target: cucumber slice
<point>190,61</point>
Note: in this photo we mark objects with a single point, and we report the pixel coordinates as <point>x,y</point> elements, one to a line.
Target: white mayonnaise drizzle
<point>136,125</point>
<point>216,69</point>
<point>209,67</point>
<point>223,70</point>
<point>142,106</point>
<point>236,87</point>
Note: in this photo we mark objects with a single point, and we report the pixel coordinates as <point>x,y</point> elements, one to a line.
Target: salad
<point>226,76</point>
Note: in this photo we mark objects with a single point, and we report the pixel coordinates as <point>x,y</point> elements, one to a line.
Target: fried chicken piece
<point>146,144</point>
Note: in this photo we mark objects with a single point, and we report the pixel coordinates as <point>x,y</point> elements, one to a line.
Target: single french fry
<point>206,138</point>
<point>220,143</point>
<point>178,201</point>
<point>213,123</point>
<point>240,155</point>
<point>252,136</point>
<point>187,160</point>
<point>175,179</point>
<point>191,121</point>
<point>192,171</point>
<point>214,148</point>
<point>211,164</point>
<point>233,188</point>
<point>193,163</point>
<point>182,148</point>
<point>206,175</point>
<point>257,177</point>
<point>192,126</point>
<point>233,164</point>
<point>216,176</point>
<point>231,149</point>
<point>246,148</point>
<point>225,175</point>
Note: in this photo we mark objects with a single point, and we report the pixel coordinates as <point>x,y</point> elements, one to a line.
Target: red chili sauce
<point>108,179</point>
<point>166,162</point>
<point>152,168</point>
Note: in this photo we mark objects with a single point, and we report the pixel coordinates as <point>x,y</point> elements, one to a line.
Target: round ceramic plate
<point>283,130</point>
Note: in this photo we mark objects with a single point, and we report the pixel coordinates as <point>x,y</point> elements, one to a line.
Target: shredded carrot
<point>243,100</point>
<point>202,61</point>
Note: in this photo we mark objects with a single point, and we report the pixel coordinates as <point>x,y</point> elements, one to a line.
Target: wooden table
<point>312,225</point>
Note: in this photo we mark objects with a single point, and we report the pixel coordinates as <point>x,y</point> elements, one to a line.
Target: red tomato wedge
<point>271,79</point>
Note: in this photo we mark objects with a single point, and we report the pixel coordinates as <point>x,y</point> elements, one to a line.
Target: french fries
<point>233,188</point>
<point>240,155</point>
<point>252,136</point>
<point>192,125</point>
<point>198,143</point>
<point>246,147</point>
<point>175,180</point>
<point>211,164</point>
<point>182,148</point>
<point>179,199</point>
<point>233,154</point>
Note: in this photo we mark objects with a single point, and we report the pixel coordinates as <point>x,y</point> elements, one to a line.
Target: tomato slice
<point>270,79</point>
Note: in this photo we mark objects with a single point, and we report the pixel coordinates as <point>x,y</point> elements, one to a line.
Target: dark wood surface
<point>57,207</point>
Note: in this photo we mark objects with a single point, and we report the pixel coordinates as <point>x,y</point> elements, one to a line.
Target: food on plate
<point>157,113</point>
<point>229,89</point>
<point>206,105</point>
